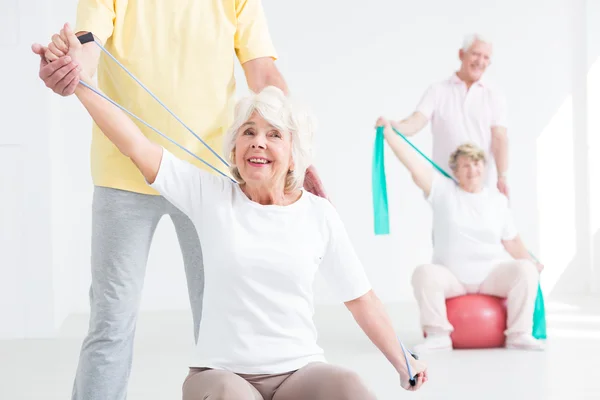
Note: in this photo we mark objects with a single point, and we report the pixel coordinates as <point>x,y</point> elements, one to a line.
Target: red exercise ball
<point>479,321</point>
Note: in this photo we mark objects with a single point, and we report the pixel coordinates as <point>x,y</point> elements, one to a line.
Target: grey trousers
<point>123,224</point>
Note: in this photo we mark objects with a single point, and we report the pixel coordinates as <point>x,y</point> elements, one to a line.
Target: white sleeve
<point>427,103</point>
<point>341,268</point>
<point>184,185</point>
<point>440,185</point>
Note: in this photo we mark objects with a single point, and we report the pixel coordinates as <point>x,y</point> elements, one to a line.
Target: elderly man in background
<point>465,109</point>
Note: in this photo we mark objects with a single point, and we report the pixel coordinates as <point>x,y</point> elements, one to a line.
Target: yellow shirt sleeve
<point>252,38</point>
<point>96,16</point>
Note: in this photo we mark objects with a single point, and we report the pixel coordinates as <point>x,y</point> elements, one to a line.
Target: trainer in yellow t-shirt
<point>183,51</point>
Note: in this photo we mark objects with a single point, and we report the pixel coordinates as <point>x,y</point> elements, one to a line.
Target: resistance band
<point>413,377</point>
<point>89,37</point>
<point>539,312</point>
<point>382,224</point>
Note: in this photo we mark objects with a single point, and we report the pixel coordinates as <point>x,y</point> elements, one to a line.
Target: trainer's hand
<point>313,184</point>
<point>61,75</point>
<point>503,185</point>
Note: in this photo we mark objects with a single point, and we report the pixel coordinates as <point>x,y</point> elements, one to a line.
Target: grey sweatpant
<point>123,224</point>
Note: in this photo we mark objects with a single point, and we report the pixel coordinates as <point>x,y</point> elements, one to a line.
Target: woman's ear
<point>232,157</point>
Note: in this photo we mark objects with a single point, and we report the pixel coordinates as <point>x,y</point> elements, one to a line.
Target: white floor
<point>569,369</point>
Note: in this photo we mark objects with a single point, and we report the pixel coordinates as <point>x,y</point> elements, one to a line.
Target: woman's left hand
<point>420,368</point>
<point>539,266</point>
<point>63,44</point>
<point>421,378</point>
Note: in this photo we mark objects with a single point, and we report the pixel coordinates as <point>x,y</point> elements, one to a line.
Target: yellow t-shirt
<point>183,51</point>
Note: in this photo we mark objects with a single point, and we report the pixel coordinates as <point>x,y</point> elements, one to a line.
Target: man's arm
<point>62,75</point>
<point>420,171</point>
<point>499,134</point>
<point>254,47</point>
<point>500,152</point>
<point>262,72</point>
<point>98,17</point>
<point>415,122</point>
<point>412,124</point>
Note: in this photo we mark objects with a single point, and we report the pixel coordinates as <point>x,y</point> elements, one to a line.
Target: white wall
<point>593,129</point>
<point>378,58</point>
<point>351,64</point>
<point>26,291</point>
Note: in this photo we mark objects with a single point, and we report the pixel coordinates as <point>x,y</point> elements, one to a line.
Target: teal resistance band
<point>89,37</point>
<point>382,224</point>
<point>379,182</point>
<point>539,312</point>
<point>379,187</point>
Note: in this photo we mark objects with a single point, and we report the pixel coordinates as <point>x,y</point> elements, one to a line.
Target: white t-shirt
<point>260,263</point>
<point>468,229</point>
<point>459,116</point>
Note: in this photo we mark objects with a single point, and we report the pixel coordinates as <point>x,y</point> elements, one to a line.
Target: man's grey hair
<point>472,38</point>
<point>284,114</point>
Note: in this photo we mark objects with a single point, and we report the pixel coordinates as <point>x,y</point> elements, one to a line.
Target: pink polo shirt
<point>458,116</point>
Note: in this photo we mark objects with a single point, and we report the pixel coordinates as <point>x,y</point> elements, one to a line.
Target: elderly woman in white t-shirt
<point>476,247</point>
<point>263,241</point>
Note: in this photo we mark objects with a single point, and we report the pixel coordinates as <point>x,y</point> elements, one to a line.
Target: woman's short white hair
<point>284,114</point>
<point>472,38</point>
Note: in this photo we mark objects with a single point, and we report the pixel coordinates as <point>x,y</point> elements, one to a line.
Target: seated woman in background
<point>476,247</point>
<point>263,240</point>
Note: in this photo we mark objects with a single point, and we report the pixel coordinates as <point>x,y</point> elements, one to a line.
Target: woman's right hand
<point>381,121</point>
<point>63,44</point>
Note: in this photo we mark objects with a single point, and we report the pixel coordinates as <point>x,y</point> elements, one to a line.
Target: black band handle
<point>86,38</point>
<point>413,381</point>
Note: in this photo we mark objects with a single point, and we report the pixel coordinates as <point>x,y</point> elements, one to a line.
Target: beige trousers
<point>315,381</point>
<point>517,281</point>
